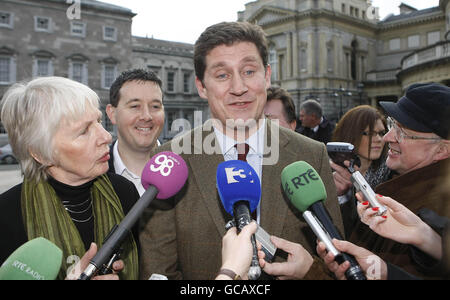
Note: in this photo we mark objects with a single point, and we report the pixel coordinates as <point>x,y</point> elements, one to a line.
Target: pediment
<point>269,14</point>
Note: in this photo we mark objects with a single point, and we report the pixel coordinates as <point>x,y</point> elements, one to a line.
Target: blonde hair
<point>32,113</point>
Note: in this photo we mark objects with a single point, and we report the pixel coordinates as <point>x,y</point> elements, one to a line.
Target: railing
<point>384,75</point>
<point>431,53</point>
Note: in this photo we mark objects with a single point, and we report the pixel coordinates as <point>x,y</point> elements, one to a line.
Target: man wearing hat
<point>419,151</point>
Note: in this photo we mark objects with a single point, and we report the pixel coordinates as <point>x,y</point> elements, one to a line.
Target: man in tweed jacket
<point>232,73</point>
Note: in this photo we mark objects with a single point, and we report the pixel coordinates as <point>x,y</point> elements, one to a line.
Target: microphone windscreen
<point>302,185</point>
<point>167,171</point>
<point>237,181</point>
<point>38,259</point>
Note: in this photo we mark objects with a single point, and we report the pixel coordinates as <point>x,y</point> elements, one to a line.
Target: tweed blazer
<point>185,242</point>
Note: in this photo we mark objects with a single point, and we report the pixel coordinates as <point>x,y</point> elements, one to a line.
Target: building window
<point>42,24</point>
<point>42,67</point>
<point>330,57</point>
<point>171,116</point>
<point>281,66</point>
<point>171,81</point>
<point>433,37</point>
<point>394,44</point>
<point>108,75</point>
<point>413,41</point>
<point>78,71</point>
<point>273,62</point>
<point>6,19</point>
<point>7,70</point>
<point>303,60</point>
<point>155,69</point>
<point>109,33</point>
<point>78,29</point>
<point>187,82</point>
<point>343,8</point>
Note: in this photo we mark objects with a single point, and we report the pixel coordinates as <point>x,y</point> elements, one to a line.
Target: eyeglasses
<point>380,133</point>
<point>400,135</point>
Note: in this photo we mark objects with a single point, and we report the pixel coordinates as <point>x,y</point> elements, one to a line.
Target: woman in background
<point>364,127</point>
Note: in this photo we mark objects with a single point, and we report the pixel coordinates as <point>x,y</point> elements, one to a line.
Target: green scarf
<point>45,216</point>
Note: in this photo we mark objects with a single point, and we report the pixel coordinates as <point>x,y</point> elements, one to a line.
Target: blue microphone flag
<point>237,181</point>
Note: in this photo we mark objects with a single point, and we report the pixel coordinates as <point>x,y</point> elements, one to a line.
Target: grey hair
<point>32,112</point>
<point>312,107</point>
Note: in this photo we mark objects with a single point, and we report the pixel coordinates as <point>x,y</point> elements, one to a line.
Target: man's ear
<point>268,76</point>
<point>443,151</point>
<point>111,112</point>
<point>202,92</point>
<point>293,125</point>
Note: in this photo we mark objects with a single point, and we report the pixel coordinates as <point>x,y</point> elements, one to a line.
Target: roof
<point>414,14</point>
<point>107,6</point>
<point>101,6</point>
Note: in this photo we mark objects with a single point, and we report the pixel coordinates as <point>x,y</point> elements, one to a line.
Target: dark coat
<point>111,158</point>
<point>417,190</point>
<point>186,242</point>
<point>323,135</point>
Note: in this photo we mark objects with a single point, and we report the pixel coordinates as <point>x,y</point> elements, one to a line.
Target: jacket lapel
<point>204,168</point>
<point>271,208</point>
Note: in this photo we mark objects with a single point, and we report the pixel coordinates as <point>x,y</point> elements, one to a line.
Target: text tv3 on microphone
<point>240,191</point>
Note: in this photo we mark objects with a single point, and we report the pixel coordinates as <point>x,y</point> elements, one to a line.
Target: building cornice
<point>290,15</point>
<point>432,17</point>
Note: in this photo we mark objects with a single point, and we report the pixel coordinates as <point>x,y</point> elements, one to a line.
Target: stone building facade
<point>173,62</point>
<point>340,53</point>
<point>336,51</point>
<point>91,42</point>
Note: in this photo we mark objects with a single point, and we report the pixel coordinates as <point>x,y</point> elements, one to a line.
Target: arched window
<point>330,57</point>
<point>7,66</point>
<point>78,68</point>
<point>42,63</point>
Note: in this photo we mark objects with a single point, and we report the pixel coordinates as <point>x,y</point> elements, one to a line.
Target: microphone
<point>338,152</point>
<point>163,176</point>
<point>240,191</point>
<point>306,191</point>
<point>38,259</point>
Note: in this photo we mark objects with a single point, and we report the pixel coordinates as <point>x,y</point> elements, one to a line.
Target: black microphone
<point>163,176</point>
<point>305,189</point>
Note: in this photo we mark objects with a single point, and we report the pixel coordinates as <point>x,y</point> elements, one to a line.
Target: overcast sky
<point>184,20</point>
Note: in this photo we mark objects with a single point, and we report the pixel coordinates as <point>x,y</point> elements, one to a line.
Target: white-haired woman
<point>67,196</point>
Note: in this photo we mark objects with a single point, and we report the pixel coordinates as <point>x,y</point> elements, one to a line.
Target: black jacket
<point>322,135</point>
<point>12,230</point>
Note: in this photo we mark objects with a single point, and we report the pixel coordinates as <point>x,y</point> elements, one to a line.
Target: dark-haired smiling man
<point>136,108</point>
<point>232,74</point>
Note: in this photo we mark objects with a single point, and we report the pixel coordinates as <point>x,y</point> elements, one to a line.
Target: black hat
<point>424,108</point>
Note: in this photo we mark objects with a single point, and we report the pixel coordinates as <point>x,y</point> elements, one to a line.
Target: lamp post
<point>341,92</point>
